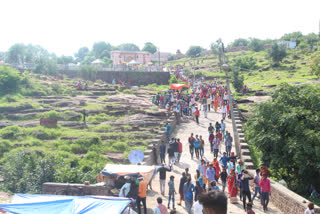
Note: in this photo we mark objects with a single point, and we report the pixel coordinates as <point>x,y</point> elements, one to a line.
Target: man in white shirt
<point>197,208</point>
<point>125,189</point>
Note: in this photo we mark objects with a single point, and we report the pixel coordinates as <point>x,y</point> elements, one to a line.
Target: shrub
<point>173,79</point>
<point>10,80</point>
<point>245,63</point>
<point>119,146</point>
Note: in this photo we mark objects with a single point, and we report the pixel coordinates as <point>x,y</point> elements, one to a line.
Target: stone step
<point>238,122</point>
<point>246,158</point>
<point>244,146</point>
<point>242,139</point>
<point>245,152</point>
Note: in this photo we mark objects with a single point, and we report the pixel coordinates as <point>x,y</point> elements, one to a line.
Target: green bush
<point>245,63</point>
<point>10,80</point>
<point>119,146</point>
<point>173,79</point>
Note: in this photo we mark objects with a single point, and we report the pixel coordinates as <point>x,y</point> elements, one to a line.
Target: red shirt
<point>211,137</point>
<point>219,136</point>
<point>197,113</point>
<point>180,147</point>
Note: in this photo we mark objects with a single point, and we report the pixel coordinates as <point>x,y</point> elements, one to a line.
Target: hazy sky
<point>63,26</point>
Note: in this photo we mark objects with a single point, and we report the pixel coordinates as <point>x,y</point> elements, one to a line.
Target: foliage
<point>256,44</point>
<point>149,47</point>
<point>293,37</point>
<point>245,62</point>
<point>239,42</point>
<point>237,80</point>
<point>81,54</point>
<point>128,47</point>
<point>287,133</point>
<point>101,49</point>
<point>217,48</point>
<point>194,51</point>
<point>173,79</point>
<point>277,53</point>
<point>64,60</point>
<point>10,80</point>
<point>303,45</point>
<point>315,65</point>
<point>46,66</point>
<point>311,39</point>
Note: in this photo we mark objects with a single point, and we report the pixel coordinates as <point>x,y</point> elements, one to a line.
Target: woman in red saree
<point>215,164</point>
<point>232,186</point>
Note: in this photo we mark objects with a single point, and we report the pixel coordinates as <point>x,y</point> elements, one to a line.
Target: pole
<point>235,133</point>
<point>159,57</point>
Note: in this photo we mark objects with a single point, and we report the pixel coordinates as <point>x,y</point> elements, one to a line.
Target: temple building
<point>120,57</point>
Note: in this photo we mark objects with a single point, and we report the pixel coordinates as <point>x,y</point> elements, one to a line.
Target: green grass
<point>156,87</point>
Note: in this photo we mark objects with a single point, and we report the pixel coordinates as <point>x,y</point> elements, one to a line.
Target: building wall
<point>119,57</point>
<point>163,56</point>
<point>74,189</point>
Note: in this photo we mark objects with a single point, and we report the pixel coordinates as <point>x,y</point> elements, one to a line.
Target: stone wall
<point>284,199</point>
<point>162,136</point>
<point>74,189</point>
<point>135,77</point>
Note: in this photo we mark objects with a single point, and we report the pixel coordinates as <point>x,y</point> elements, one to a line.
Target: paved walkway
<point>183,131</point>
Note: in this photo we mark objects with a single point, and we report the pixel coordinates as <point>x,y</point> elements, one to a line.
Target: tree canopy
<point>194,51</point>
<point>293,37</point>
<point>128,47</point>
<point>149,47</point>
<point>101,49</point>
<point>239,42</point>
<point>81,54</point>
<point>286,130</point>
<point>256,44</point>
<point>277,53</point>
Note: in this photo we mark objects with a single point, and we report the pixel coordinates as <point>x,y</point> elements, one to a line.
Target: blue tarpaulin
<point>54,204</point>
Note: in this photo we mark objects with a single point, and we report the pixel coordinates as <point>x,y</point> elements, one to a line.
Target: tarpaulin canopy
<point>53,204</point>
<point>178,86</point>
<point>130,170</point>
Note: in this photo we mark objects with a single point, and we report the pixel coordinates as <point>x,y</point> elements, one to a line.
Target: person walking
<point>210,174</point>
<point>142,194</point>
<point>265,191</point>
<point>179,150</point>
<point>232,186</point>
<point>172,191</point>
<point>176,150</point>
<point>162,177</point>
<point>257,188</point>
<point>197,114</point>
<point>201,147</point>
<point>211,138</point>
<point>223,128</point>
<point>160,208</point>
<point>196,146</point>
<point>224,176</point>
<point>205,110</point>
<point>202,167</point>
<point>245,188</point>
<point>198,190</point>
<point>171,155</point>
<point>228,144</point>
<point>162,151</point>
<point>168,130</point>
<point>216,143</point>
<point>210,128</point>
<point>155,156</point>
<point>183,180</point>
<point>188,189</point>
<point>191,145</point>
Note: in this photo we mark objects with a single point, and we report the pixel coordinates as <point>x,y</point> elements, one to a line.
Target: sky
<point>63,26</point>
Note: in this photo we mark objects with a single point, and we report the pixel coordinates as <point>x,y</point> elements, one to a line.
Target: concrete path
<point>183,131</point>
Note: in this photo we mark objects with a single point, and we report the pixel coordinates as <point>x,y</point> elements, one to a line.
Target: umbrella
<point>134,62</point>
<point>150,63</point>
<point>136,156</point>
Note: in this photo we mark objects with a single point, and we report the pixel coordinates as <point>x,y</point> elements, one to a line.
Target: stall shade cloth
<point>130,170</point>
<point>48,204</point>
<point>178,86</point>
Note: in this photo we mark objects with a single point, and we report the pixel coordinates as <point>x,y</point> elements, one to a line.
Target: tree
<point>217,48</point>
<point>256,44</point>
<point>315,65</point>
<point>149,47</point>
<point>101,49</point>
<point>277,53</point>
<point>245,62</point>
<point>194,51</point>
<point>237,80</point>
<point>81,54</point>
<point>240,42</point>
<point>128,47</point>
<point>16,53</point>
<point>65,60</point>
<point>10,80</point>
<point>311,39</point>
<point>286,131</point>
<point>293,37</point>
<point>46,66</point>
